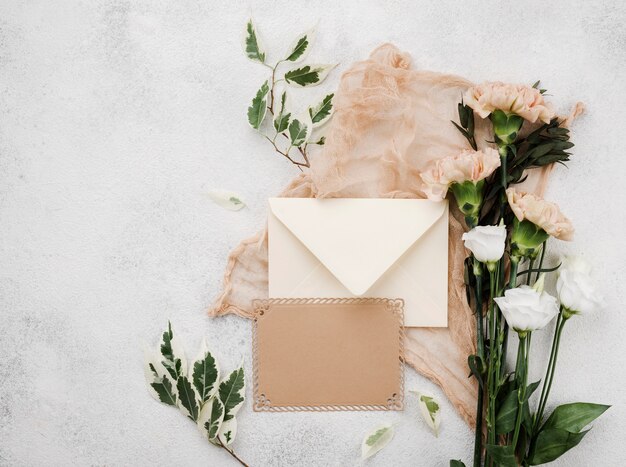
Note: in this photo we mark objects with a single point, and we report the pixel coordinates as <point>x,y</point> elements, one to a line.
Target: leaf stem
<point>231,452</point>
<point>286,154</point>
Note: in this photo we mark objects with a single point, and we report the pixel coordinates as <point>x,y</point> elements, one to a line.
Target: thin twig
<point>232,453</point>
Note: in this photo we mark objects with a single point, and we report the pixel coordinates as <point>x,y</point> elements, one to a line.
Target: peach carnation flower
<point>540,212</point>
<point>469,165</point>
<point>525,101</point>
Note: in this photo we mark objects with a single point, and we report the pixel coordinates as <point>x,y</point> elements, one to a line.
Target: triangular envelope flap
<point>357,239</point>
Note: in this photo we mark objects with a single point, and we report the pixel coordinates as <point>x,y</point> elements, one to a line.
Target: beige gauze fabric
<point>390,121</point>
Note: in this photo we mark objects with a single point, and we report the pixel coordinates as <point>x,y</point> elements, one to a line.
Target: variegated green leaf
<point>253,47</point>
<point>322,112</point>
<point>228,431</point>
<point>227,199</point>
<point>300,131</point>
<point>206,374</point>
<point>187,398</point>
<point>430,410</point>
<point>300,47</point>
<point>281,120</point>
<point>211,416</point>
<point>232,393</point>
<point>258,108</point>
<point>376,440</point>
<point>159,383</point>
<point>172,353</point>
<point>308,75</point>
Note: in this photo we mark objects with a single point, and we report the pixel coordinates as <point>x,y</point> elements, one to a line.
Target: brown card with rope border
<point>328,354</point>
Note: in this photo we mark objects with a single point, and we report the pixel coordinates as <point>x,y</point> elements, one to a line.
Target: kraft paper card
<point>343,247</point>
<point>328,354</point>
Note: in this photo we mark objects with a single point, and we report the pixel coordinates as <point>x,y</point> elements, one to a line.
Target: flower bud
<point>469,198</point>
<point>526,239</point>
<point>506,126</point>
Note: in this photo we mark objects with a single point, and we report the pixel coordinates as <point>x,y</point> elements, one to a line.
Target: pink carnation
<point>467,166</point>
<point>525,101</point>
<point>540,212</point>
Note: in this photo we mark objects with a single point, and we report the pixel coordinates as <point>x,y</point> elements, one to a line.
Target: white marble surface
<point>118,116</point>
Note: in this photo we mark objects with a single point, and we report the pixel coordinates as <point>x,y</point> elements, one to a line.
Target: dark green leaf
<point>253,48</point>
<point>299,48</point>
<point>211,417</point>
<point>258,108</point>
<point>507,414</point>
<point>456,463</point>
<point>505,420</point>
<point>205,375</point>
<point>281,121</point>
<point>298,132</point>
<point>551,444</point>
<point>321,112</point>
<point>307,75</point>
<point>171,362</point>
<point>163,387</point>
<point>187,398</point>
<point>502,455</point>
<point>574,417</point>
<point>231,393</point>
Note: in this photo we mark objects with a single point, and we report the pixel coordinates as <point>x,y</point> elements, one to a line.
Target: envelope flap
<point>357,240</point>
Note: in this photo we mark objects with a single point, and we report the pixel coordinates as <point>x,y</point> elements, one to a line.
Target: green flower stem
<point>531,264</point>
<point>493,370</point>
<point>547,383</point>
<point>543,254</point>
<point>480,344</point>
<point>521,375</point>
<point>513,274</point>
<point>503,150</point>
<point>480,336</point>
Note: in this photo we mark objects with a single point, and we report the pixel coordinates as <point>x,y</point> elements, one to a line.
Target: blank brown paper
<point>328,354</point>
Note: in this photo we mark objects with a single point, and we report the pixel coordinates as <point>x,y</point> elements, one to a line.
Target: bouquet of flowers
<point>507,239</point>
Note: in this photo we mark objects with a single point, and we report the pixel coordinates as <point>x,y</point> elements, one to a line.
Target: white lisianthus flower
<point>528,308</point>
<point>486,242</point>
<point>576,288</point>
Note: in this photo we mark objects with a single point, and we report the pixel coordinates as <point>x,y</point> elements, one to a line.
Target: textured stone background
<point>118,116</point>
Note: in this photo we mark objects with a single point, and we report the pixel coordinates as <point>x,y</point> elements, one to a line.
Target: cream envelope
<point>386,248</point>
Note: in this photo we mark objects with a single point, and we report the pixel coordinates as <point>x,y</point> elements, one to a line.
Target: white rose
<point>528,308</point>
<point>576,288</point>
<point>486,242</point>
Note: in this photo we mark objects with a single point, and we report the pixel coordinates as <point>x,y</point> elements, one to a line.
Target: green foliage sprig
<point>199,393</point>
<point>286,131</point>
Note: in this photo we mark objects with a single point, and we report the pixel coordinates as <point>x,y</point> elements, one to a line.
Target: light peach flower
<point>467,166</point>
<point>540,212</point>
<point>525,101</point>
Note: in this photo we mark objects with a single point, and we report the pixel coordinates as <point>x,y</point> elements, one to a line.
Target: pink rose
<point>525,101</point>
<point>469,165</point>
<point>540,212</point>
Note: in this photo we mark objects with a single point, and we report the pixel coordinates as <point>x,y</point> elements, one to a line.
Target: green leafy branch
<point>199,394</point>
<point>288,132</point>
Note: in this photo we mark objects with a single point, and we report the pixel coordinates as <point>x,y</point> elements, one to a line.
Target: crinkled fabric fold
<point>390,121</point>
